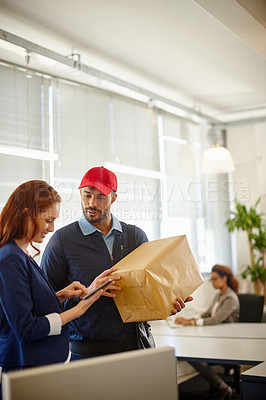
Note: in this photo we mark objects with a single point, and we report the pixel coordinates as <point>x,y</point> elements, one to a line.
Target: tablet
<point>96,290</point>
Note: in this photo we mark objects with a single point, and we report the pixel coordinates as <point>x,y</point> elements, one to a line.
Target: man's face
<point>96,205</point>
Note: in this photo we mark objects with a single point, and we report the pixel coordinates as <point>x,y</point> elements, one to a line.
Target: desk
<point>235,330</point>
<point>253,383</point>
<point>237,343</point>
<point>215,350</point>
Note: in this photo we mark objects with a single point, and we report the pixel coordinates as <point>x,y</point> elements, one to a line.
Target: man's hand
<point>103,277</point>
<point>180,304</point>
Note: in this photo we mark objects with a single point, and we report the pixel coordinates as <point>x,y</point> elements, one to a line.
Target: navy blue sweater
<point>71,256</point>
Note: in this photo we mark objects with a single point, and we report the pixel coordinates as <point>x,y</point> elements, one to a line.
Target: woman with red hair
<point>33,324</point>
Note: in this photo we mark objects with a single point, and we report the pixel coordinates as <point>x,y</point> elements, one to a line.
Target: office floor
<point>198,389</point>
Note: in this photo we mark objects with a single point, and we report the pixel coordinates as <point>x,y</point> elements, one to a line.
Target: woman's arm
<point>82,306</point>
<point>76,289</point>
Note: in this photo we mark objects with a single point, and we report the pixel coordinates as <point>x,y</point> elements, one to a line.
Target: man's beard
<point>102,215</point>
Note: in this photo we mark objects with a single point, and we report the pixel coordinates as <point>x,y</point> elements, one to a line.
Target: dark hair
<point>25,202</point>
<point>223,270</point>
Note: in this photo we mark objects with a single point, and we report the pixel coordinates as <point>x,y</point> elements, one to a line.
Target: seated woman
<point>224,308</point>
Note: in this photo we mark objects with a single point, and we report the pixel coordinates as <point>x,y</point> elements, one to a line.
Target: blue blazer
<point>25,298</point>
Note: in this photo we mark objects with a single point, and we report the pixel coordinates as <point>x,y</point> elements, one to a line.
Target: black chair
<point>251,307</point>
<point>251,310</point>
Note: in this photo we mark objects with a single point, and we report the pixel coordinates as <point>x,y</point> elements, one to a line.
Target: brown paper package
<point>153,276</point>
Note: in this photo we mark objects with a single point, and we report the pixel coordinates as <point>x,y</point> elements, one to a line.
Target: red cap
<point>100,178</point>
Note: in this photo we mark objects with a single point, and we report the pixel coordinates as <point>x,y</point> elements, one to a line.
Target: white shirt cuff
<point>55,324</point>
<point>199,321</point>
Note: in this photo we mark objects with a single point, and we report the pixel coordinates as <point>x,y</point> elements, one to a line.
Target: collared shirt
<point>87,228</point>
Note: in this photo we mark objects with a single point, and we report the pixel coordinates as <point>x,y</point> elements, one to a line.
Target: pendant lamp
<point>217,160</point>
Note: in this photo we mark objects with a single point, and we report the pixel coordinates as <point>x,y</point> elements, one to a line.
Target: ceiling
<point>209,55</point>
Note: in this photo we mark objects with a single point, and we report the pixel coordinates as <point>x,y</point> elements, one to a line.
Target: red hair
<point>223,270</point>
<point>25,202</point>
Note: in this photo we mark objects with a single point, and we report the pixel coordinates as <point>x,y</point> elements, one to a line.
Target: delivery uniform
<point>79,252</point>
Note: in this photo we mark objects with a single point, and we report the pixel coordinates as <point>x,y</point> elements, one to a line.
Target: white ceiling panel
<point>210,52</point>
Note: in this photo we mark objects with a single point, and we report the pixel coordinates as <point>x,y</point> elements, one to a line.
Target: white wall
<point>247,145</point>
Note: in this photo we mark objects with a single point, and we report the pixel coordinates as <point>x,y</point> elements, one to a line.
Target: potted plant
<point>254,224</point>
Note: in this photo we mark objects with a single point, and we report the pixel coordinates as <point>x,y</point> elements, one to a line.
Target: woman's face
<point>217,281</point>
<point>45,222</point>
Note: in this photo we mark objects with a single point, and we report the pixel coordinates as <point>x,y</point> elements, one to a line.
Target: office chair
<point>251,307</point>
<point>251,310</point>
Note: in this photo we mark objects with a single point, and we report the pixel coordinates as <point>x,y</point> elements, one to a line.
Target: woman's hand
<point>75,289</point>
<point>103,277</point>
<point>183,321</point>
<point>83,305</point>
<point>180,304</point>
